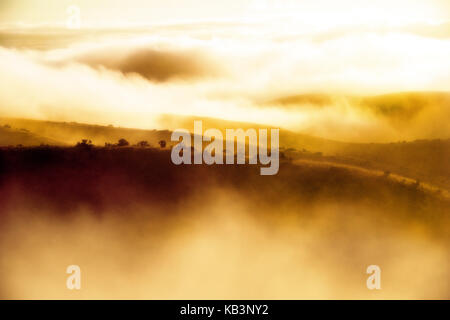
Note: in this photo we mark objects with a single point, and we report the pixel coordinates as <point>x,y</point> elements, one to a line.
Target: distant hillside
<point>13,137</point>
<point>381,118</point>
<point>401,104</point>
<point>288,139</point>
<point>425,160</point>
<point>405,105</point>
<point>73,132</point>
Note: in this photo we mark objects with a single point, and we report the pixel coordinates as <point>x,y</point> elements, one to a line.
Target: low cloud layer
<point>132,78</point>
<point>152,64</point>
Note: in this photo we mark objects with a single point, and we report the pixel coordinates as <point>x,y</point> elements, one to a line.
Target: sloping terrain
<point>73,132</point>
<point>384,118</point>
<point>424,160</point>
<point>15,137</point>
<point>212,231</point>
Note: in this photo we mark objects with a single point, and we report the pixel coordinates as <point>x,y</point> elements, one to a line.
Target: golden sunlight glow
<point>357,92</point>
<point>320,13</point>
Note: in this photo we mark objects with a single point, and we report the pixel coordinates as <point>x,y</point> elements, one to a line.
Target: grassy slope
<point>394,105</point>
<point>71,133</point>
<point>426,160</point>
<point>14,137</point>
<point>102,176</point>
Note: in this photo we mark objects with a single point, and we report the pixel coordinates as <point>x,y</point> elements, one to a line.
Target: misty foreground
<point>141,227</point>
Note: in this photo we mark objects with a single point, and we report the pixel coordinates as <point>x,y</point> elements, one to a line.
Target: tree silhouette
<point>85,143</point>
<point>123,143</point>
<point>143,144</point>
<point>162,143</point>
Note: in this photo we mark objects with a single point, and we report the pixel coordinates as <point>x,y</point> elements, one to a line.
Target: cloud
<point>153,64</point>
<point>131,79</point>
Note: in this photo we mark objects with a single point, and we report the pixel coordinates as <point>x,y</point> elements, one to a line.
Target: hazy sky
<point>111,12</point>
<point>225,59</point>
